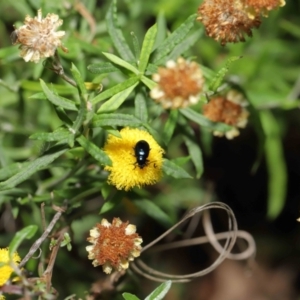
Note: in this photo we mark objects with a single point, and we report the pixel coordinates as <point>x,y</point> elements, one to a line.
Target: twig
<point>47,276</point>
<point>39,241</point>
<point>43,216</point>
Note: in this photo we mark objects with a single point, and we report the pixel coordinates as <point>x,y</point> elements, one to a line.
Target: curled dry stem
<point>211,237</point>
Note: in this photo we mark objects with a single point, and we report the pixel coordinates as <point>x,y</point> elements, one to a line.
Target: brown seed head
<point>179,84</point>
<point>114,245</point>
<point>228,109</point>
<point>262,7</point>
<point>227,21</point>
<point>38,37</point>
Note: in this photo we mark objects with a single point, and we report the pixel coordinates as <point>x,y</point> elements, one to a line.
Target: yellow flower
<point>38,38</point>
<point>126,171</point>
<point>227,21</point>
<point>179,84</point>
<point>228,109</point>
<point>6,270</point>
<point>113,245</point>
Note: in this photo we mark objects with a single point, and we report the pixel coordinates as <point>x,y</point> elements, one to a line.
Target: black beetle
<point>141,152</point>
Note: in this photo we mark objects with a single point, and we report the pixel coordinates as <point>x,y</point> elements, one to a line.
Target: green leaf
<point>173,170</point>
<point>203,121</point>
<point>161,29</point>
<point>25,233</point>
<point>61,89</point>
<point>136,45</point>
<point>57,100</point>
<point>116,34</point>
<point>185,45</point>
<point>102,68</point>
<point>30,169</point>
<point>78,79</point>
<point>103,120</point>
<point>62,115</point>
<point>147,47</point>
<point>140,104</point>
<point>152,210</point>
<point>151,69</point>
<point>195,154</point>
<point>174,39</point>
<point>118,61</point>
<point>94,151</point>
<point>160,292</point>
<point>218,78</point>
<point>117,100</point>
<point>170,125</point>
<point>58,135</point>
<point>277,169</point>
<point>128,296</point>
<point>114,90</point>
<point>148,82</point>
<point>10,170</point>
<point>181,161</point>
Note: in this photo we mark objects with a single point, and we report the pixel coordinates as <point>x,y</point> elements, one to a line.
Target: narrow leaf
<point>58,135</point>
<point>62,115</point>
<point>78,79</point>
<point>174,39</point>
<point>136,45</point>
<point>170,125</point>
<point>118,61</point>
<point>30,169</point>
<point>160,292</point>
<point>148,82</point>
<point>161,30</point>
<point>173,170</point>
<point>185,45</point>
<point>94,151</point>
<point>147,47</point>
<point>128,296</point>
<point>103,120</point>
<point>152,210</point>
<point>277,170</point>
<point>140,105</point>
<point>195,154</point>
<point>25,233</point>
<point>116,34</point>
<point>57,100</point>
<point>117,100</point>
<point>114,90</point>
<point>203,121</point>
<point>102,68</point>
<point>218,79</point>
<point>10,170</point>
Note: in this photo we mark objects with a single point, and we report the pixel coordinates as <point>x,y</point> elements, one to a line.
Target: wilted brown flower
<point>113,245</point>
<point>38,38</point>
<point>228,109</point>
<point>227,21</point>
<point>179,84</point>
<point>262,7</point>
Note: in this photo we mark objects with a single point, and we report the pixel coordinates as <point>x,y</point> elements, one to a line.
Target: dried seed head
<point>113,245</point>
<point>179,84</point>
<point>262,7</point>
<point>227,21</point>
<point>228,109</point>
<point>38,37</point>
